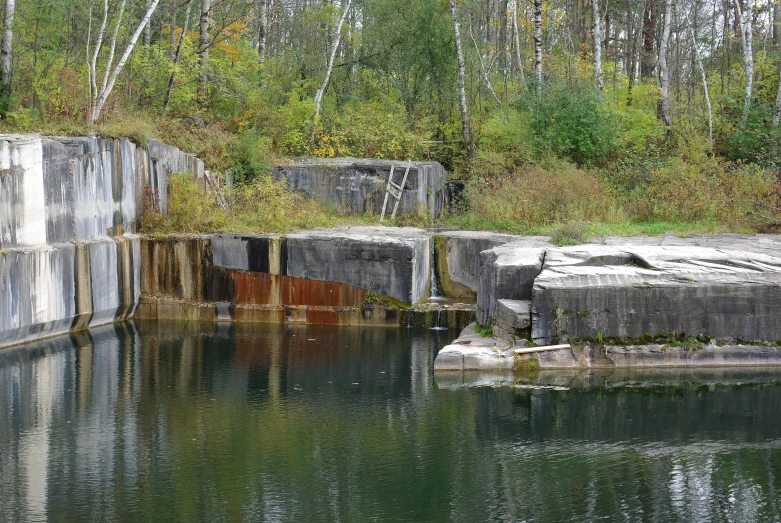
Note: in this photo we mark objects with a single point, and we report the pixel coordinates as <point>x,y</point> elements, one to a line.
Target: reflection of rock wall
<point>66,206</point>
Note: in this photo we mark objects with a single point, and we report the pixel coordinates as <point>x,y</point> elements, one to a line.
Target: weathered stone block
<point>720,294</point>
<point>358,184</point>
<point>506,272</point>
<point>458,260</point>
<point>391,261</point>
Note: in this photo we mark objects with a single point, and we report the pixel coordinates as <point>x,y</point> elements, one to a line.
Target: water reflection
<point>171,422</point>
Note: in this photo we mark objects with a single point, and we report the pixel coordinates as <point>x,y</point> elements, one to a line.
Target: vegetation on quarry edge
<point>562,140</point>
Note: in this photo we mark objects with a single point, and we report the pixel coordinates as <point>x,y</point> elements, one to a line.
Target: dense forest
<point>602,116</point>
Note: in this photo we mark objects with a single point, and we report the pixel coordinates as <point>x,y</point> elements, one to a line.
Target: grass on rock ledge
<point>267,206</point>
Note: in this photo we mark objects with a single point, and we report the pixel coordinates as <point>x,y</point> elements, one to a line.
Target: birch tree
<point>203,46</point>
<point>517,39</point>
<point>98,97</point>
<point>597,47</point>
<point>461,81</point>
<point>334,48</point>
<point>485,73</point>
<point>262,30</point>
<point>747,39</point>
<point>538,45</point>
<point>6,75</point>
<point>704,78</point>
<point>664,68</point>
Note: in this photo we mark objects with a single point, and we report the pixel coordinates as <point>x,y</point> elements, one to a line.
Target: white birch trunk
<point>664,68</point>
<point>517,39</point>
<point>538,44</point>
<point>704,82</point>
<point>262,30</point>
<point>105,92</point>
<point>93,65</point>
<point>7,50</point>
<point>321,91</point>
<point>747,38</point>
<point>597,47</point>
<point>203,46</point>
<point>461,80</point>
<point>484,72</point>
<point>113,47</point>
<point>777,114</point>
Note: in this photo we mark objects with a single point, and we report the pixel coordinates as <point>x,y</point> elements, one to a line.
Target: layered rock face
<point>636,292</point>
<point>68,208</point>
<point>358,185</point>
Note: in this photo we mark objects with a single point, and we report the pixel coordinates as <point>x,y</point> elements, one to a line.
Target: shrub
<point>573,122</point>
<point>538,196</point>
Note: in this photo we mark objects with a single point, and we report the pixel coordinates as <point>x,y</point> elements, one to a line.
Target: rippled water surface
<point>165,422</point>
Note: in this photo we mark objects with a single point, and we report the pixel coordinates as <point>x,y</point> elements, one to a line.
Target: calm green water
<point>161,422</point>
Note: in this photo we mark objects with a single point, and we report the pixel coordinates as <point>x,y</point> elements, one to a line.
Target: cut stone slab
<point>358,185</point>
<point>514,314</point>
<point>470,351</point>
<point>506,272</point>
<point>458,260</point>
<point>394,261</point>
<point>717,293</point>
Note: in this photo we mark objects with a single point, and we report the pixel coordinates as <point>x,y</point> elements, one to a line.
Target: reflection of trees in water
<point>310,423</point>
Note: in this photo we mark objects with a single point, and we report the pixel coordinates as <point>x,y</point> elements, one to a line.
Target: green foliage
<point>263,205</point>
<point>251,157</point>
<point>570,233</point>
<point>537,196</point>
<point>572,121</point>
<point>486,331</point>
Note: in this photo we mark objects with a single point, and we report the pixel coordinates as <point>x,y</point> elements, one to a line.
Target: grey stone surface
<point>392,261</point>
<point>458,259</point>
<point>470,351</point>
<point>61,199</point>
<point>358,184</point>
<point>507,272</point>
<point>717,293</point>
<point>514,314</point>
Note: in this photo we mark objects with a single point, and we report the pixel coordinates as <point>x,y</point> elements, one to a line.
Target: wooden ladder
<point>395,191</point>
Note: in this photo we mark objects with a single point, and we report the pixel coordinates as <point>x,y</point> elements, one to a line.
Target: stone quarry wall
<point>358,185</point>
<point>68,210</point>
<point>313,276</point>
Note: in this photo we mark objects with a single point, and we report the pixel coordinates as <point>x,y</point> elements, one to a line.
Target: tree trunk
<point>106,91</point>
<point>538,44</point>
<point>177,55</point>
<point>630,50</point>
<point>485,73</point>
<point>172,35</point>
<point>517,39</point>
<point>262,29</point>
<point>777,21</point>
<point>704,82</point>
<point>647,58</point>
<point>461,81</point>
<point>334,49</point>
<point>6,76</point>
<point>597,47</point>
<point>747,38</point>
<point>664,68</point>
<point>203,47</point>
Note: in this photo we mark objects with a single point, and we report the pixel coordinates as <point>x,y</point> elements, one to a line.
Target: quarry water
<point>170,422</point>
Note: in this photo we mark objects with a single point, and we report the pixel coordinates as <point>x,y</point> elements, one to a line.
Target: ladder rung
<point>399,187</point>
<point>395,194</point>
